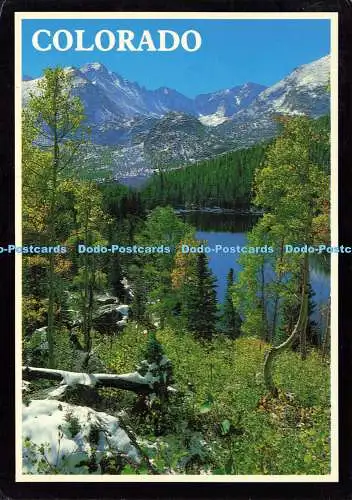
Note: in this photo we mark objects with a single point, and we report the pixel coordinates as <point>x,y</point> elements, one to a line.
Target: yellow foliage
<point>184,263</point>
<point>33,312</point>
<point>62,264</point>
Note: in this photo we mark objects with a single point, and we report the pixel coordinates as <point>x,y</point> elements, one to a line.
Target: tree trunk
<point>89,277</point>
<point>277,297</point>
<point>303,340</point>
<point>52,234</point>
<point>51,305</point>
<point>326,340</point>
<point>129,381</point>
<point>303,331</point>
<point>272,353</point>
<point>90,316</point>
<point>86,283</point>
<point>264,318</point>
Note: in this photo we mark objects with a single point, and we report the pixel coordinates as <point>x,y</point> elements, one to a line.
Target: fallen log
<point>129,381</point>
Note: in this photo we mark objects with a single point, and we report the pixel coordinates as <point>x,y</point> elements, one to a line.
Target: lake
<point>230,229</point>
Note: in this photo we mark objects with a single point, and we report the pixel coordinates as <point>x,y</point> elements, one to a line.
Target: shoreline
<point>219,210</point>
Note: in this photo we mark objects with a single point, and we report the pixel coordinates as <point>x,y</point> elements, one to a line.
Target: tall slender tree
<point>139,302</point>
<point>52,122</point>
<point>293,190</point>
<point>90,277</point>
<point>231,320</point>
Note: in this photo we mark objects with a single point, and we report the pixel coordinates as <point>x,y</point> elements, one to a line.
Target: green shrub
<point>221,399</point>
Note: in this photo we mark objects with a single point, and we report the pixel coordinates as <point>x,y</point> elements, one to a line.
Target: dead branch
<point>129,381</point>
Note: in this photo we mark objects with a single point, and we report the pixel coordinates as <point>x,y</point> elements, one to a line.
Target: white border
<point>333,476</point>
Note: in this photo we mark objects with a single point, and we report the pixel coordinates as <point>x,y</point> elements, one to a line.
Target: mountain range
<point>141,129</point>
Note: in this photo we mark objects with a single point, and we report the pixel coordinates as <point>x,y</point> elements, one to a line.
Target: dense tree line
<point>223,181</point>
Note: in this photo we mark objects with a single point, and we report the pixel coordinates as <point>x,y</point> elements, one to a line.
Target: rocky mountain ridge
<point>141,128</point>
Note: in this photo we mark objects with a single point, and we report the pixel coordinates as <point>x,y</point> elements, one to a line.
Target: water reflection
<point>230,229</point>
<point>225,222</point>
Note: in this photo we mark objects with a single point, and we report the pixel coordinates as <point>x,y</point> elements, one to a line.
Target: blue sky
<point>233,51</point>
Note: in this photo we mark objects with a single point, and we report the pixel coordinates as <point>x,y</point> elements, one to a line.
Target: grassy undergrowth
<point>223,407</point>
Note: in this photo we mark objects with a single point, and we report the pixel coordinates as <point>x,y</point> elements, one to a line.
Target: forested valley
<point>130,363</point>
<point>224,181</point>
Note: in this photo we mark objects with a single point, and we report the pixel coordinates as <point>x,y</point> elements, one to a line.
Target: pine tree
<point>199,300</point>
<point>231,320</point>
<point>115,278</point>
<point>154,350</point>
<point>157,367</point>
<point>162,227</point>
<point>313,332</point>
<point>138,308</point>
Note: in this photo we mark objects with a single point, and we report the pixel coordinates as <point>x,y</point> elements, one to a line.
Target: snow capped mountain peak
<point>95,66</point>
<point>231,100</point>
<point>296,92</point>
<point>313,74</point>
<point>138,123</point>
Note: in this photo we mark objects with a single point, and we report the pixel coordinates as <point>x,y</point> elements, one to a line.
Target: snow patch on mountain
<point>140,127</point>
<point>305,86</point>
<point>215,118</point>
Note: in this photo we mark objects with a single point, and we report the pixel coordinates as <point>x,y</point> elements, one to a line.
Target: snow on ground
<point>122,322</point>
<point>123,309</point>
<point>66,432</point>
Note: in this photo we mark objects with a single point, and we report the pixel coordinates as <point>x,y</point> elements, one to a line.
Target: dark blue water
<point>230,230</point>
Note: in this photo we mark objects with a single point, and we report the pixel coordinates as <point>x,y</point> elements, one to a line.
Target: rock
<point>41,334</point>
<point>94,364</point>
<point>106,299</point>
<point>110,316</point>
<point>128,291</point>
<point>123,309</point>
<point>121,324</point>
<point>88,363</point>
<point>106,317</point>
<point>74,318</point>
